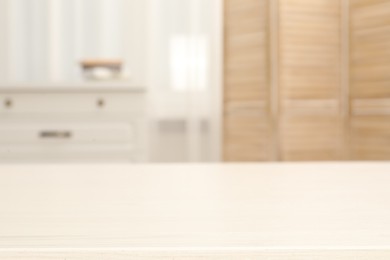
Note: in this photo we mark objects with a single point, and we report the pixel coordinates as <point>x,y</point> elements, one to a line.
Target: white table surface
<point>252,208</point>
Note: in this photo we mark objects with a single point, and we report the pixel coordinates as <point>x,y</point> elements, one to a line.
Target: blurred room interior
<point>194,129</point>
<point>148,81</point>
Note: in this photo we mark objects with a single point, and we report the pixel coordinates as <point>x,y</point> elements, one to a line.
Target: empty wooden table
<point>249,211</point>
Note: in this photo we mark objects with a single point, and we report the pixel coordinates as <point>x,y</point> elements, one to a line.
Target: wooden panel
<point>370,137</point>
<point>247,139</point>
<point>371,106</point>
<point>246,92</point>
<point>245,50</point>
<point>313,88</point>
<point>370,41</point>
<point>370,79</point>
<point>311,137</point>
<point>310,49</point>
<point>310,91</point>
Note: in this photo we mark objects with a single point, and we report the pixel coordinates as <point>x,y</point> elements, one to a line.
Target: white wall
<point>3,37</point>
<point>47,38</point>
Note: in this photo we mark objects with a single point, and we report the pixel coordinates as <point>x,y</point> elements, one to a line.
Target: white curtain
<point>184,73</point>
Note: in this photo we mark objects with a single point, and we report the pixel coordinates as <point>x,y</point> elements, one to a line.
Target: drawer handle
<point>8,103</point>
<point>55,134</point>
<point>100,103</point>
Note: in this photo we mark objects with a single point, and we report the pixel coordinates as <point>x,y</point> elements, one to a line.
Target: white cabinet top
<point>254,207</point>
<point>82,86</point>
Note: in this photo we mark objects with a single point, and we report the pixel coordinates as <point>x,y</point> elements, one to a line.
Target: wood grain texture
<point>331,86</point>
<point>370,79</point>
<point>249,136</point>
<point>370,137</point>
<point>310,90</point>
<point>311,137</point>
<point>253,211</point>
<point>370,38</point>
<point>310,49</point>
<point>246,92</point>
<point>174,255</point>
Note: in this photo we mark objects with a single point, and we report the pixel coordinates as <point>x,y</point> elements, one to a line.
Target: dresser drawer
<point>46,133</point>
<point>51,103</point>
<point>69,152</point>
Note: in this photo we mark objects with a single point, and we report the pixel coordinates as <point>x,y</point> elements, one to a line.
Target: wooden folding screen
<point>307,80</point>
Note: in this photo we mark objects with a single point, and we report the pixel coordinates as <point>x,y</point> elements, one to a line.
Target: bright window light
<point>188,63</point>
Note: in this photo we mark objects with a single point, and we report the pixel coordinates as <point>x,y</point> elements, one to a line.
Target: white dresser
<point>72,123</point>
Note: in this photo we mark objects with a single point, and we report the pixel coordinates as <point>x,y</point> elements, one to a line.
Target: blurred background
<point>110,80</point>
<point>194,80</point>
